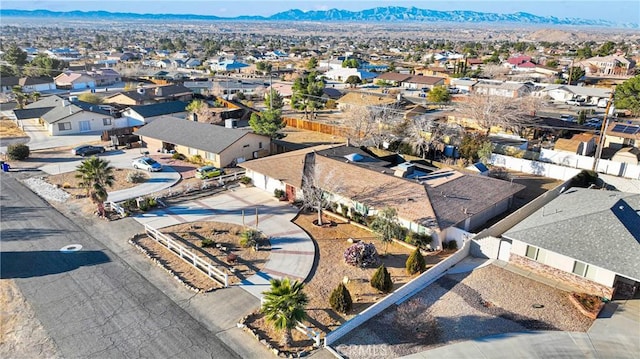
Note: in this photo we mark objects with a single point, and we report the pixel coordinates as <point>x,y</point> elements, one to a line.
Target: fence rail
<point>189,257</point>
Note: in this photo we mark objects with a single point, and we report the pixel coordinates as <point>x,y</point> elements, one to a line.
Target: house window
<point>106,121</point>
<point>259,144</point>
<point>193,151</point>
<point>64,126</point>
<point>580,268</point>
<point>532,252</point>
<point>212,156</point>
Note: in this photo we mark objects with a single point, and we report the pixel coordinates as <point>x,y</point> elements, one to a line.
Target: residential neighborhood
<point>386,192</point>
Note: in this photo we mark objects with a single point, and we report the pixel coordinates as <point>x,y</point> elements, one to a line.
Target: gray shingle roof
<point>202,136</point>
<point>31,112</point>
<point>597,227</point>
<point>158,109</point>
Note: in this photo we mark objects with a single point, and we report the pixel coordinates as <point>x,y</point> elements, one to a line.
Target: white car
<point>147,163</point>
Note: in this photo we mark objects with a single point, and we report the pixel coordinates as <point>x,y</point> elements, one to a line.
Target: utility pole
<point>603,129</point>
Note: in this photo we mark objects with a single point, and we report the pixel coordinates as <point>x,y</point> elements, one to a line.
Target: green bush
<point>452,245</point>
<point>278,193</point>
<point>419,240</point>
<point>415,263</point>
<point>178,156</point>
<point>584,179</point>
<point>196,159</point>
<point>151,202</point>
<point>207,243</point>
<point>130,204</point>
<point>245,180</point>
<point>136,177</point>
<point>340,299</point>
<point>345,211</point>
<point>143,206</point>
<point>381,280</point>
<point>18,152</point>
<point>249,238</point>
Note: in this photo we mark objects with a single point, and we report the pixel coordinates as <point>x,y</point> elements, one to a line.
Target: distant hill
<point>379,14</point>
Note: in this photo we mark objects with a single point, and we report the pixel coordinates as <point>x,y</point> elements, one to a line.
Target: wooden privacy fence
<point>316,126</point>
<point>186,255</point>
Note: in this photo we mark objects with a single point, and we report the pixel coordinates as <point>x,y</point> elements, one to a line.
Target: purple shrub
<point>362,255</point>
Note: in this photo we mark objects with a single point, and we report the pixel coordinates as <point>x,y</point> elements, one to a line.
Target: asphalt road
<point>91,303</point>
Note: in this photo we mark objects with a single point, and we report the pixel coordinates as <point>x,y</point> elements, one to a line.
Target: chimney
<point>158,91</point>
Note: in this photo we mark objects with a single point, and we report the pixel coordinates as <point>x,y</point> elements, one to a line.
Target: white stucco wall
<point>95,120</point>
<point>597,274</point>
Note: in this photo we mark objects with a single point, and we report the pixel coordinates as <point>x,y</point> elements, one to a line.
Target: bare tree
<point>371,125</point>
<point>513,114</point>
<point>494,71</point>
<point>319,183</point>
<point>202,113</point>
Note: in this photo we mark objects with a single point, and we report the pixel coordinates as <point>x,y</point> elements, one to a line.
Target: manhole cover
<point>71,248</point>
<point>537,306</point>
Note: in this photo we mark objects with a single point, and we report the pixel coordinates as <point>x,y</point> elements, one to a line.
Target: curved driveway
<point>292,251</point>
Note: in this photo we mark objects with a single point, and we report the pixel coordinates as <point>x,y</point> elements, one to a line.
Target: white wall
<point>94,118</point>
<point>552,259</point>
<point>534,167</point>
<point>567,159</point>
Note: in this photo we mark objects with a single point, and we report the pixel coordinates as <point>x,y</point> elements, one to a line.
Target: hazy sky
<point>616,10</point>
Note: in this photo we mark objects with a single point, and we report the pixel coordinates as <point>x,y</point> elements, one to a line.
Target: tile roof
<point>597,227</point>
<point>205,137</point>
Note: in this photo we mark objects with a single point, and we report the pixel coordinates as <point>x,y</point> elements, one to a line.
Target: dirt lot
<point>331,269</point>
<point>21,334</point>
<point>227,239</point>
<point>465,306</point>
<point>69,182</point>
<point>9,129</point>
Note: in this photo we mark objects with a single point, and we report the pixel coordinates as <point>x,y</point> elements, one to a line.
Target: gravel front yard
<point>461,307</point>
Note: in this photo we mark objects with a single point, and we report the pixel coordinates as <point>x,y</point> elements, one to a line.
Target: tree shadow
<point>42,263</point>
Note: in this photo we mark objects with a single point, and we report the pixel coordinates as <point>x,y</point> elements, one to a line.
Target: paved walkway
<point>292,251</point>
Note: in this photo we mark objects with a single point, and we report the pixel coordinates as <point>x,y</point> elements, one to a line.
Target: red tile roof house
<point>447,201</point>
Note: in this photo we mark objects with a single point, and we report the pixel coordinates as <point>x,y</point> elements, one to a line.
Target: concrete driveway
<point>292,251</point>
<point>39,139</point>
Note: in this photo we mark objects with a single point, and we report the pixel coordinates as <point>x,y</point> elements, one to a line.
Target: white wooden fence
<point>186,255</point>
<point>116,207</point>
<point>400,295</point>
<point>224,178</point>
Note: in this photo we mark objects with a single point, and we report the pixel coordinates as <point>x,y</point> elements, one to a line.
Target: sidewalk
<point>292,251</point>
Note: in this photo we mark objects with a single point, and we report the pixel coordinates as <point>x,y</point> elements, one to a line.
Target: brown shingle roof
<point>393,76</point>
<point>427,80</point>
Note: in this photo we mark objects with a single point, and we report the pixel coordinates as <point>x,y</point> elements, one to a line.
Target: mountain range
<point>378,14</point>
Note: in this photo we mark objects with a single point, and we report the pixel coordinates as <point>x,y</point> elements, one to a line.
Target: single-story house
<point>218,145</point>
<point>28,84</point>
<point>419,82</point>
<point>465,86</point>
<point>429,204</point>
<point>228,66</point>
<point>145,114</point>
<point>567,92</point>
<point>393,78</point>
<point>343,74</point>
<point>589,238</point>
<point>151,95</point>
<point>504,89</point>
<point>619,135</point>
<point>72,117</point>
<point>74,81</point>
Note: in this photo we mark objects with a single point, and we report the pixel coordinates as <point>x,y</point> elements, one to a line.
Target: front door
<point>505,250</point>
<point>85,126</point>
<point>291,193</point>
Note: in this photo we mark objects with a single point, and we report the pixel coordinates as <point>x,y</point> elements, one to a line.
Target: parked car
<point>568,118</point>
<point>576,102</point>
<point>594,122</point>
<point>87,150</point>
<point>147,163</point>
<point>206,172</point>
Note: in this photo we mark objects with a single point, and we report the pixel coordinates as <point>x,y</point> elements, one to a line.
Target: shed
<point>628,155</point>
<point>479,168</point>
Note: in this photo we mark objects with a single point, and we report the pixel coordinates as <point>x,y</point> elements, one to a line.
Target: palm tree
<point>283,306</point>
<point>20,96</point>
<point>95,175</point>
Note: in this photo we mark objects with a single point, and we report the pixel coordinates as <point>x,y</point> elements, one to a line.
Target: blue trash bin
<point>5,167</point>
